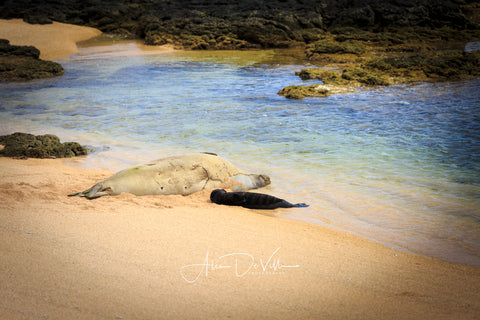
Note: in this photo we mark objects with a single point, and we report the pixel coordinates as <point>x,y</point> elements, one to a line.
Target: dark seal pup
<point>251,200</point>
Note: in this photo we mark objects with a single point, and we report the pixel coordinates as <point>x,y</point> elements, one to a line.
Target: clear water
<point>399,165</point>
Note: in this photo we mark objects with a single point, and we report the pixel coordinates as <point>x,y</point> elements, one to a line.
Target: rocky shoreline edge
<point>349,60</point>
<point>349,44</point>
<point>23,63</point>
<point>25,145</point>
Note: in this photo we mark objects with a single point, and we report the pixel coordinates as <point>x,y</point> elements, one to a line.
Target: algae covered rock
<point>453,66</point>
<point>25,145</point>
<point>366,77</point>
<point>22,63</point>
<point>300,92</point>
<point>436,66</point>
<point>334,82</point>
<point>327,76</point>
<point>352,74</point>
<point>335,47</point>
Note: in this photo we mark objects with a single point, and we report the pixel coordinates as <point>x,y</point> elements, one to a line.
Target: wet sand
<point>175,257</point>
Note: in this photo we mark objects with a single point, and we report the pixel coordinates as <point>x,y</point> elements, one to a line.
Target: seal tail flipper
<point>300,205</point>
<point>91,193</point>
<point>77,194</point>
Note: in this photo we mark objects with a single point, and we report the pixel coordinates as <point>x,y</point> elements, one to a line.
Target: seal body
<point>183,174</point>
<point>251,200</point>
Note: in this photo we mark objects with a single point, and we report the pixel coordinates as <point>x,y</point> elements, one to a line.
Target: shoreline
<point>55,41</point>
<point>136,257</point>
<point>105,45</point>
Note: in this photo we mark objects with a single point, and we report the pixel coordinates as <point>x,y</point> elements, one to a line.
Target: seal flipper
<point>91,193</point>
<point>300,205</point>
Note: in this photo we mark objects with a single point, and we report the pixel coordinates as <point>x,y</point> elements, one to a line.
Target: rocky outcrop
<point>351,76</point>
<point>22,63</point>
<point>366,39</point>
<point>300,92</point>
<point>436,66</point>
<point>221,24</point>
<point>432,66</point>
<point>25,145</point>
<point>385,14</point>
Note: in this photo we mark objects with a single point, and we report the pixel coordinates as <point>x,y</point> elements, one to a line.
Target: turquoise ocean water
<point>399,165</point>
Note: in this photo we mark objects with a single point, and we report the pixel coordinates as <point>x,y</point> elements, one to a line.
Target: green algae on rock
<point>438,66</point>
<point>327,76</point>
<point>376,68</point>
<point>326,46</point>
<point>366,77</point>
<point>347,77</point>
<point>22,63</point>
<point>25,145</point>
<point>300,92</point>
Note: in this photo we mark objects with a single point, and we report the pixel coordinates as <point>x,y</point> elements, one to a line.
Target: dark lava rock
<point>22,51</point>
<point>25,145</point>
<point>222,24</point>
<point>22,63</point>
<point>437,66</point>
<point>325,46</point>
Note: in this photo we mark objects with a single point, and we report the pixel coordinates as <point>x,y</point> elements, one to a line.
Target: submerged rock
<point>22,63</point>
<point>25,145</point>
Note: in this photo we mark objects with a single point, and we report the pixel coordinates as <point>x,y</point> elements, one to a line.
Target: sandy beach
<point>176,257</point>
<point>55,41</point>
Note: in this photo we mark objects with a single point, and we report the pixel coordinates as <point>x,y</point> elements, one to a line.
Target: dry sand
<point>55,41</point>
<point>175,257</point>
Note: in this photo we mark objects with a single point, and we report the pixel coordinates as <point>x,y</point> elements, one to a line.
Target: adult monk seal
<point>251,200</point>
<point>184,174</point>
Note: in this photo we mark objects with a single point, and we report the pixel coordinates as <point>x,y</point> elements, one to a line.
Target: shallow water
<point>399,165</point>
